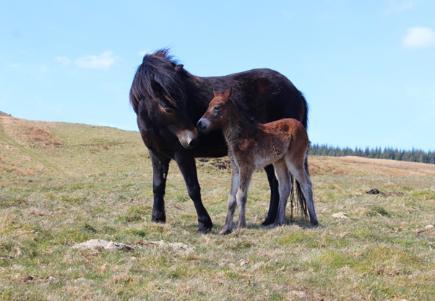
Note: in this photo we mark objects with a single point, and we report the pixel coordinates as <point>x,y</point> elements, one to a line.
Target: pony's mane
<point>157,78</point>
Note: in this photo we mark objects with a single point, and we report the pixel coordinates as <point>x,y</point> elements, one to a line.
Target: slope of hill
<point>61,184</point>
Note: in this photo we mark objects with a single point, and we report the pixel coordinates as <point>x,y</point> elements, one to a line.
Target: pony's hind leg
<point>284,187</point>
<point>228,227</point>
<point>302,177</point>
<point>274,196</point>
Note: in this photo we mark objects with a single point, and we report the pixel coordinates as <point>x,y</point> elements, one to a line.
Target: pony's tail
<point>296,193</point>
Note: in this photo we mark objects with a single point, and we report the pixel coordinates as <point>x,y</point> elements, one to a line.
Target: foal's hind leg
<point>284,187</point>
<point>302,176</point>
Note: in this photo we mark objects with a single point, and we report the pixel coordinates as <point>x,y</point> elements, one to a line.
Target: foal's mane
<point>160,78</point>
<point>245,117</point>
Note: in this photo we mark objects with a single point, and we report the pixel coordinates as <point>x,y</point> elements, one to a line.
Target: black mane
<point>157,78</point>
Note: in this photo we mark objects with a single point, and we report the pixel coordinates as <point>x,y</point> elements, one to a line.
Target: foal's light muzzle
<point>203,125</point>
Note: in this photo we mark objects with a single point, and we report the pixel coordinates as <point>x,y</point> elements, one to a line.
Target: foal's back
<point>285,137</point>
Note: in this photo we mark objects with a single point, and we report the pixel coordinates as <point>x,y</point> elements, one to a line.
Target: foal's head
<point>217,113</point>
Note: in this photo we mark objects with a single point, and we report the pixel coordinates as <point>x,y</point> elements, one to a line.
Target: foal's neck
<point>239,126</point>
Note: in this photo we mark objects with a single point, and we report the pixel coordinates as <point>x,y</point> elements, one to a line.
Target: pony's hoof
<point>205,226</point>
<point>268,221</point>
<point>278,224</point>
<point>158,217</point>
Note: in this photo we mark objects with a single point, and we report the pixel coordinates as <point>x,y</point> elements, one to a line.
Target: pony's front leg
<point>235,178</point>
<point>187,166</point>
<point>160,171</point>
<point>242,194</point>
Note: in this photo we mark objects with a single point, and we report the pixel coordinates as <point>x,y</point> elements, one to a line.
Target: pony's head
<point>158,95</point>
<point>217,113</point>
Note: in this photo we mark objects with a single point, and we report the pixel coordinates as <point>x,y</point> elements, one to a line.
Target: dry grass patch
<point>97,185</point>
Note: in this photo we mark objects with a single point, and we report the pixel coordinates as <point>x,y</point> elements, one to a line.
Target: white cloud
<point>62,60</point>
<point>399,6</point>
<point>103,61</point>
<point>419,37</point>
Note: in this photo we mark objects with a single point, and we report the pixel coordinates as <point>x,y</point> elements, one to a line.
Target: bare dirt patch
<point>29,132</point>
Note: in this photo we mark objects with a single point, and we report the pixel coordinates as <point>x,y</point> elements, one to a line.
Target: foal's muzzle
<point>203,125</point>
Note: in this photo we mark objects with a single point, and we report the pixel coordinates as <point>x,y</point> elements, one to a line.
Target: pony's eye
<point>217,108</point>
<point>168,109</point>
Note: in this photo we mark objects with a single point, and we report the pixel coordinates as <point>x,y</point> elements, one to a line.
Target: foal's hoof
<point>158,217</point>
<point>314,223</point>
<point>225,231</point>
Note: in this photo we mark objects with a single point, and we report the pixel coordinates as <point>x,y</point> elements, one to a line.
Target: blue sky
<point>365,67</point>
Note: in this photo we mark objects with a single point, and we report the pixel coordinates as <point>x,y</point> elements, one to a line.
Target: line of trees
<point>414,155</point>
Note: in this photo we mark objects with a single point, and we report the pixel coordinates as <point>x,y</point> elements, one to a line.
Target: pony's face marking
<point>217,112</point>
<point>177,122</point>
<point>187,138</point>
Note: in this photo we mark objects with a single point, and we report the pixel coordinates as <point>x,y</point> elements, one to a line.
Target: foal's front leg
<point>235,178</point>
<point>242,193</point>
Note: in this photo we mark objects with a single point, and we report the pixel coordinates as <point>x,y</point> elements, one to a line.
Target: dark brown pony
<point>251,146</point>
<point>168,101</point>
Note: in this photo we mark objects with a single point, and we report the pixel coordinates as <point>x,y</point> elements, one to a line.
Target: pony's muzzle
<point>188,139</point>
<point>203,125</point>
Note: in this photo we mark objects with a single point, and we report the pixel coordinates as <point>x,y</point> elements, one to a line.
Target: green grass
<point>97,184</point>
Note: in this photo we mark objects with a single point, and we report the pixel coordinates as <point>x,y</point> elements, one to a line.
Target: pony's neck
<point>238,127</point>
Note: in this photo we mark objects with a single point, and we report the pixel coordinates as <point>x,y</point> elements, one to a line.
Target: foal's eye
<point>217,108</point>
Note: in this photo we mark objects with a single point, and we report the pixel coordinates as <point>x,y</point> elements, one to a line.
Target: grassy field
<point>62,184</point>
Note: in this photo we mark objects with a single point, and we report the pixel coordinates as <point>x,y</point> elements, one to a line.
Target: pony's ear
<point>227,93</point>
<point>179,67</point>
<point>216,93</point>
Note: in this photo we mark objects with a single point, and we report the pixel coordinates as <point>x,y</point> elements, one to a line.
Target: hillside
<point>61,184</point>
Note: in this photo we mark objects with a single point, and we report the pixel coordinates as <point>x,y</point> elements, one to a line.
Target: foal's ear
<point>224,93</point>
<point>227,93</point>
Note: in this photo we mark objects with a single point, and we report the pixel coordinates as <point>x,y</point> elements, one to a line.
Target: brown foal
<point>251,146</point>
